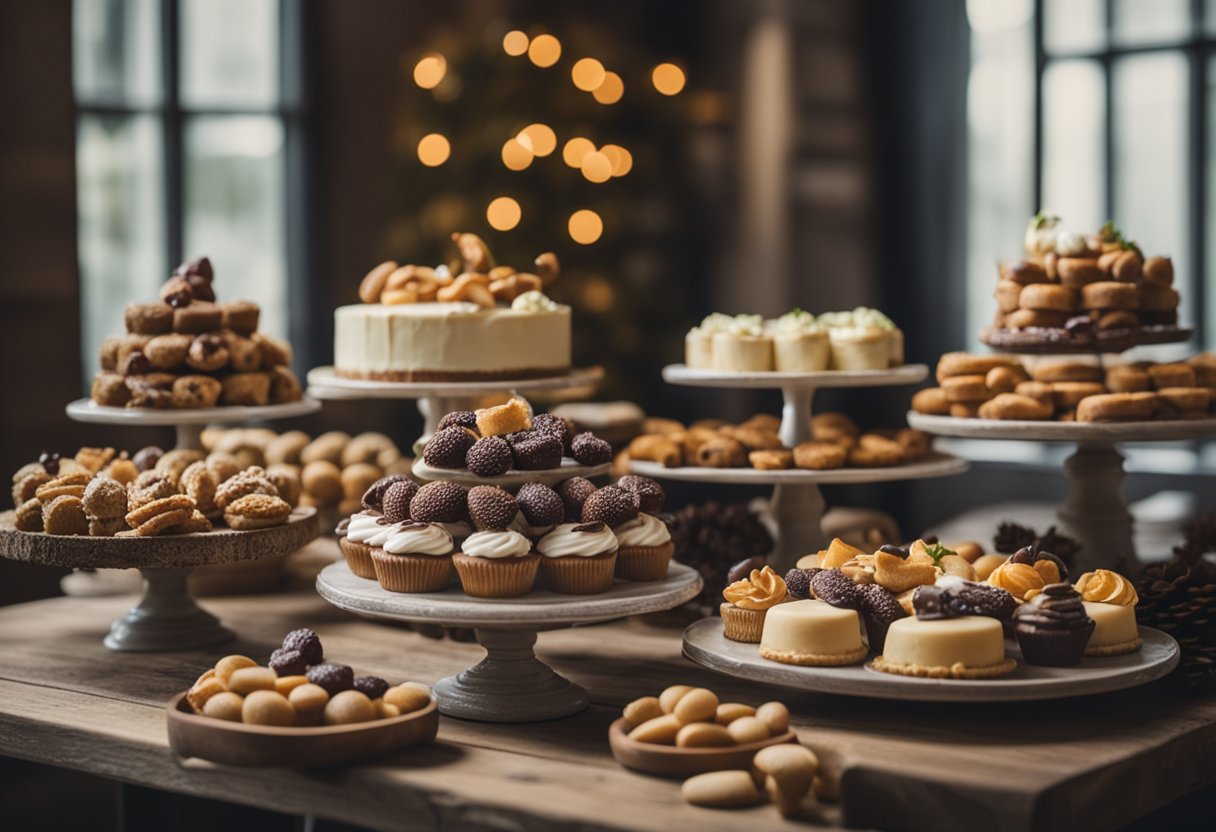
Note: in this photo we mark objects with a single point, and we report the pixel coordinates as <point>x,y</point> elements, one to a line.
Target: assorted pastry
<point>863,339</point>
<point>101,492</point>
<point>187,351</point>
<point>836,442</point>
<point>931,611</point>
<point>1084,291</point>
<point>299,688</point>
<point>574,538</point>
<point>332,470</point>
<point>494,440</point>
<point>1004,387</point>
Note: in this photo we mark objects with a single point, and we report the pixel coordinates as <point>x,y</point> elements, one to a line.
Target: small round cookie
<point>965,364</point>
<point>1157,298</point>
<point>72,485</point>
<point>819,456</point>
<point>1078,272</point>
<point>771,460</point>
<point>1106,295</point>
<point>28,516</point>
<point>110,390</point>
<point>134,362</point>
<point>914,443</point>
<point>1186,401</point>
<point>224,465</point>
<point>1053,371</point>
<point>26,487</point>
<point>191,392</point>
<point>166,352</point>
<point>1015,406</point>
<point>322,480</point>
<point>241,316</point>
<point>833,426</point>
<point>107,353</point>
<point>148,318</point>
<point>275,351</point>
<point>1069,393</point>
<point>366,447</point>
<point>966,389</point>
<point>208,353</point>
<point>1127,379</point>
<point>164,523</point>
<point>1008,295</point>
<point>965,410</point>
<point>286,448</point>
<point>195,524</point>
<point>1117,407</point>
<point>1040,391</point>
<point>1023,272</point>
<point>173,463</point>
<point>148,487</point>
<point>142,514</point>
<point>153,391</point>
<point>105,499</point>
<point>874,451</point>
<point>284,386</point>
<point>256,511</point>
<point>721,452</point>
<point>252,480</point>
<point>1048,297</point>
<point>931,401</point>
<point>1004,379</point>
<point>251,389</point>
<point>64,515</point>
<point>1108,321</point>
<point>200,484</point>
<point>1171,375</point>
<point>1158,270</point>
<point>244,356</point>
<point>199,316</point>
<point>1028,318</point>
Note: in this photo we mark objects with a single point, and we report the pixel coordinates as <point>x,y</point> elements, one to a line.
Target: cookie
<point>819,456</point>
<point>64,515</point>
<point>104,499</point>
<point>1204,367</point>
<point>1108,294</point>
<point>1028,318</point>
<point>200,316</point>
<point>1183,402</point>
<point>1078,272</point>
<point>195,391</point>
<point>208,353</point>
<point>196,523</point>
<point>913,443</point>
<point>1117,407</point>
<point>256,511</point>
<point>200,484</point>
<point>1008,295</point>
<point>965,410</point>
<point>177,502</point>
<point>166,522</point>
<point>874,451</point>
<point>1023,272</point>
<point>148,487</point>
<point>284,386</point>
<point>771,460</point>
<point>1154,298</point>
<point>1171,375</point>
<point>107,353</point>
<point>26,487</point>
<point>167,352</point>
<point>1068,394</point>
<point>28,516</point>
<point>1004,379</point>
<point>244,355</point>
<point>1054,371</point>
<point>286,479</point>
<point>110,390</point>
<point>148,318</point>
<point>252,480</point>
<point>1109,321</point>
<point>964,364</point>
<point>1158,270</point>
<point>1048,297</point>
<point>1015,406</point>
<point>275,351</point>
<point>721,452</point>
<point>174,463</point>
<point>69,484</point>
<point>931,401</point>
<point>969,388</point>
<point>241,316</point>
<point>150,390</point>
<point>250,389</point>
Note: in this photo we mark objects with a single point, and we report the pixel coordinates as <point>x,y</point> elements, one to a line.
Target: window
<point>1095,110</point>
<point>189,118</point>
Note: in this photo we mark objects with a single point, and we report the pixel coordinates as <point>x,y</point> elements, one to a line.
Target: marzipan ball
<point>225,666</point>
<point>407,698</point>
<point>226,705</point>
<point>347,707</point>
<point>248,679</point>
<point>265,707</point>
<point>308,698</point>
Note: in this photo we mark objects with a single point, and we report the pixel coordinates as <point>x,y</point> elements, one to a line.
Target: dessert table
<point>1094,763</point>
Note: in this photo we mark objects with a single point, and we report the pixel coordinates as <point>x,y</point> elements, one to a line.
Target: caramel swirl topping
<point>1107,587</point>
<point>762,589</point>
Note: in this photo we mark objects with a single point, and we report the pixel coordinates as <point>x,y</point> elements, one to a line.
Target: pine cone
<point>1178,597</point>
<point>1200,538</point>
<point>1010,537</point>
<point>710,537</point>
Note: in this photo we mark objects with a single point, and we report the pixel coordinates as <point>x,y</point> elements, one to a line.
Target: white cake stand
<point>510,684</point>
<point>435,399</point>
<point>1095,511</point>
<point>513,479</point>
<point>797,506</point>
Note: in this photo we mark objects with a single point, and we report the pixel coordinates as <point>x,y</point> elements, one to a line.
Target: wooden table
<point>1095,764</point>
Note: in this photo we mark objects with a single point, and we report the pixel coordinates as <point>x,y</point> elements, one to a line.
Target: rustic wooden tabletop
<point>1094,763</point>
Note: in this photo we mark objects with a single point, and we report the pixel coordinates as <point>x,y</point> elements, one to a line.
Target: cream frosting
<point>534,301</point>
<point>714,322</point>
<point>564,541</point>
<point>363,526</point>
<point>752,325</point>
<point>643,530</point>
<point>496,544</point>
<point>795,322</point>
<point>418,539</point>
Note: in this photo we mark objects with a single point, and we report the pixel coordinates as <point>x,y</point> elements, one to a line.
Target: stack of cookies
<point>1003,387</point>
<point>187,351</point>
<point>1082,290</point>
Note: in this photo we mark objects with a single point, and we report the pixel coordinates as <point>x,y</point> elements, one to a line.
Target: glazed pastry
<point>799,344</point>
<point>748,601</point>
<point>812,633</point>
<point>743,346</point>
<point>578,558</point>
<point>1053,627</point>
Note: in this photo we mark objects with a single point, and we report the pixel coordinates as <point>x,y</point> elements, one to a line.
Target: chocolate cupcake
<point>1052,628</point>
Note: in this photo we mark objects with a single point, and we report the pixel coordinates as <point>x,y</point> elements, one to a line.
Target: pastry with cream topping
<point>412,557</point>
<point>644,540</point>
<point>578,558</point>
<point>812,633</point>
<point>748,601</point>
<point>1053,627</point>
<point>1110,600</point>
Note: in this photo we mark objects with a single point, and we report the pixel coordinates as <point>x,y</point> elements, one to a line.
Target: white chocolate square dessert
<point>949,645</point>
<point>1115,629</point>
<point>812,633</point>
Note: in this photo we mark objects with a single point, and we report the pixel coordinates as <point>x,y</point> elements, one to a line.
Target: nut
<point>703,735</point>
<point>789,770</point>
<point>721,789</point>
<point>474,253</point>
<point>669,697</point>
<point>373,283</point>
<point>468,287</point>
<point>659,731</point>
<point>728,712</point>
<point>697,705</point>
<point>547,267</point>
<point>748,729</point>
<point>776,716</point>
<point>642,710</point>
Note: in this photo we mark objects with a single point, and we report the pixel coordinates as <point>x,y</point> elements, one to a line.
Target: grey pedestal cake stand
<point>510,684</point>
<point>167,617</point>
<point>1095,512</point>
<point>796,508</point>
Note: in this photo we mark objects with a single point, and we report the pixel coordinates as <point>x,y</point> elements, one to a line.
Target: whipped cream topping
<point>714,322</point>
<point>418,539</point>
<point>578,539</point>
<point>533,301</point>
<point>496,544</point>
<point>363,526</point>
<point>795,322</point>
<point>752,325</point>
<point>643,530</point>
<point>861,318</point>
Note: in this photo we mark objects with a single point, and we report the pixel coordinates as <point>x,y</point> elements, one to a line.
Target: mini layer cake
<point>1115,631</point>
<point>969,647</point>
<point>812,633</point>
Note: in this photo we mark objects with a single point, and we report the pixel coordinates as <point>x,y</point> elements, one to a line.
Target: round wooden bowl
<point>669,761</point>
<point>238,744</point>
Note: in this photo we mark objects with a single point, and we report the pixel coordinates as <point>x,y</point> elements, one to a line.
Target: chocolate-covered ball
<point>307,643</point>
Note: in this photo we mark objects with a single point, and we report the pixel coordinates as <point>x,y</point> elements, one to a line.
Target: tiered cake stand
<point>1095,511</point>
<point>797,504</point>
<point>510,684</point>
<point>438,398</point>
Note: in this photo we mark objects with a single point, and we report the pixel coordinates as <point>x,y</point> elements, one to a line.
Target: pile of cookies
<point>332,470</point>
<point>836,441</point>
<point>471,277</point>
<point>102,492</point>
<point>1004,387</point>
<point>493,440</point>
<point>1079,289</point>
<point>187,351</point>
<point>298,688</point>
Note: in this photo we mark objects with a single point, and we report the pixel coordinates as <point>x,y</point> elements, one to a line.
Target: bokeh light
<point>503,213</point>
<point>515,155</point>
<point>587,74</point>
<point>668,79</point>
<point>575,150</point>
<point>621,159</point>
<point>515,43</point>
<point>434,149</point>
<point>544,51</point>
<point>542,137</point>
<point>611,90</point>
<point>596,167</point>
<point>429,70</point>
<point>585,226</point>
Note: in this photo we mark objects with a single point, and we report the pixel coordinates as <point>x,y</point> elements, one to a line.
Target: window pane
<point>120,220</point>
<point>230,52</point>
<point>1150,129</point>
<point>1211,214</point>
<point>1137,21</point>
<point>1073,158</point>
<point>114,51</point>
<point>1073,25</point>
<point>234,204</point>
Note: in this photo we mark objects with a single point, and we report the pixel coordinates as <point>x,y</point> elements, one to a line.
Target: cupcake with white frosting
<point>743,346</point>
<point>644,540</point>
<point>495,561</point>
<point>354,544</point>
<point>578,558</point>
<point>413,557</point>
<point>799,343</point>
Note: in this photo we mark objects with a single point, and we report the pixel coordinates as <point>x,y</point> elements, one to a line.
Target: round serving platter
<point>514,478</point>
<point>87,410</point>
<point>1050,431</point>
<point>931,465</point>
<point>325,383</point>
<point>696,377</point>
<point>705,644</point>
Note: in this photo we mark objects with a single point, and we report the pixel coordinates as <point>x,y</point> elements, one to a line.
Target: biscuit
<point>195,391</point>
<point>69,485</point>
<point>965,364</point>
<point>819,456</point>
<point>107,353</point>
<point>1117,407</point>
<point>284,386</point>
<point>1106,295</point>
<point>164,523</point>
<point>252,480</point>
<point>1025,318</point>
<point>1077,272</point>
<point>1048,297</point>
<point>173,463</point>
<point>110,390</point>
<point>256,511</point>
<point>1158,270</point>
<point>373,282</point>
<point>1004,379</point>
<point>200,484</point>
<point>965,410</point>
<point>966,389</point>
<point>200,316</point>
<point>196,523</point>
<point>913,443</point>
<point>1127,266</point>
<point>28,516</point>
<point>874,451</point>
<point>275,351</point>
<point>1204,366</point>
<point>1069,393</point>
<point>931,401</point>
<point>286,479</point>
<point>1127,379</point>
<point>1066,371</point>
<point>771,460</point>
<point>1184,401</point>
<point>1171,375</point>
<point>64,515</point>
<point>166,352</point>
<point>165,505</point>
<point>1108,321</point>
<point>150,390</point>
<point>1039,390</point>
<point>207,352</point>
<point>25,486</point>
<point>1008,295</point>
<point>241,316</point>
<point>834,427</point>
<point>721,452</point>
<point>250,389</point>
<point>1023,272</point>
<point>148,487</point>
<point>1157,298</point>
<point>244,355</point>
<point>148,318</point>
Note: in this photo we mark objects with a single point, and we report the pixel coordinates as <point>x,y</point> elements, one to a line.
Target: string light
<point>429,71</point>
<point>433,150</point>
<point>611,90</point>
<point>585,226</point>
<point>515,155</point>
<point>668,79</point>
<point>542,138</point>
<point>575,150</point>
<point>596,167</point>
<point>544,51</point>
<point>515,43</point>
<point>587,74</point>
<point>503,213</point>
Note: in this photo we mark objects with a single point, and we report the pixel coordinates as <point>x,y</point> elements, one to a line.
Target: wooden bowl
<point>238,744</point>
<point>669,761</point>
